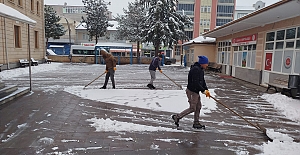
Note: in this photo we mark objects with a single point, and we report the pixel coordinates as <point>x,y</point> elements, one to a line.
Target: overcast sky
<point>117,6</point>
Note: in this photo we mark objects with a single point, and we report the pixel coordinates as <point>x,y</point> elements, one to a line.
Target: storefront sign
<point>268,62</point>
<point>245,40</point>
<point>287,62</point>
<point>87,44</point>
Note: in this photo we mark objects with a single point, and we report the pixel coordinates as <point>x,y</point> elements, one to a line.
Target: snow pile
<point>8,74</point>
<point>278,136</point>
<point>289,107</point>
<point>282,144</point>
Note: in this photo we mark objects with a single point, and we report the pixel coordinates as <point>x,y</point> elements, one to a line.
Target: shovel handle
<point>94,79</point>
<point>258,128</point>
<point>172,80</point>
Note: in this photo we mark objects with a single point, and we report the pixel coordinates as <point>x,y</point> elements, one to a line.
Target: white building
<point>241,11</point>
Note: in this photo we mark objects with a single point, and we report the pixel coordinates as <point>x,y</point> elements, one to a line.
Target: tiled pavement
<point>54,122</point>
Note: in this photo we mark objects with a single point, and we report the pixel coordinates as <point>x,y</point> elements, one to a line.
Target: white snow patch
<point>66,141</point>
<point>55,148</point>
<point>120,138</point>
<point>8,74</point>
<point>88,148</point>
<point>168,140</point>
<point>288,106</point>
<point>159,100</point>
<point>108,125</point>
<point>22,125</point>
<point>278,136</point>
<point>279,148</point>
<point>46,140</point>
<point>154,147</point>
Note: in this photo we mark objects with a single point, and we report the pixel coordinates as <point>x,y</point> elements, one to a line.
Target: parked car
<point>169,61</point>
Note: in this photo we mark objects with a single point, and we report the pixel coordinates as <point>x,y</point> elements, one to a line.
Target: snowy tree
<point>131,24</point>
<point>52,27</point>
<point>96,18</point>
<point>163,24</point>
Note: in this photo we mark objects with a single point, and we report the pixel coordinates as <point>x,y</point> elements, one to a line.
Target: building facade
<point>207,15</point>
<point>73,12</point>
<point>261,46</point>
<point>14,34</point>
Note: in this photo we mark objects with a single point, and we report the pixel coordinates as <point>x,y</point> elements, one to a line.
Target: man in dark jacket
<point>152,69</point>
<point>196,84</point>
<point>110,69</point>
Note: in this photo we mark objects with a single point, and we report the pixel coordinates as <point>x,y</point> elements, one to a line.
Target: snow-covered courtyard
<point>133,118</point>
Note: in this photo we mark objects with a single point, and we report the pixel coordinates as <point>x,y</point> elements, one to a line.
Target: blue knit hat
<point>202,60</point>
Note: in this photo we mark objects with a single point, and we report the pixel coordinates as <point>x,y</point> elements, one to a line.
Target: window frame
<point>289,45</point>
<point>32,5</point>
<point>36,39</point>
<point>37,7</point>
<point>17,36</point>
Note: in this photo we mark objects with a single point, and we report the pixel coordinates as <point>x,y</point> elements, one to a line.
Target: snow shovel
<point>94,80</point>
<point>257,126</point>
<point>172,81</point>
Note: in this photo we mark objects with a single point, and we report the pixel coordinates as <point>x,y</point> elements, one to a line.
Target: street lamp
<point>70,56</point>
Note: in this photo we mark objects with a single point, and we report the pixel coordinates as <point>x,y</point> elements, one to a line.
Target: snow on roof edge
<point>202,40</point>
<point>11,13</point>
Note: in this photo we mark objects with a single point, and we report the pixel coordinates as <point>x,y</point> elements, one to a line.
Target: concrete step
<point>7,90</point>
<point>17,93</point>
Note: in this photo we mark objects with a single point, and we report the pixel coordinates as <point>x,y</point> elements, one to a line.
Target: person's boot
<point>176,120</point>
<point>114,87</point>
<point>197,125</point>
<point>104,87</point>
<point>149,86</point>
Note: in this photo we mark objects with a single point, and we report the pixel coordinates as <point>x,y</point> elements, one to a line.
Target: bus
<point>79,50</point>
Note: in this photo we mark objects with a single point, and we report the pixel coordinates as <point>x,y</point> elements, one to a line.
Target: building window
<point>177,50</point>
<point>239,15</point>
<point>37,8</point>
<point>17,32</point>
<point>185,7</point>
<point>36,39</point>
<point>221,22</point>
<point>32,5</point>
<point>20,2</point>
<point>85,36</point>
<point>12,1</point>
<point>208,9</point>
<point>282,52</point>
<point>225,1</point>
<point>224,52</point>
<point>205,9</point>
<point>245,55</point>
<point>189,34</point>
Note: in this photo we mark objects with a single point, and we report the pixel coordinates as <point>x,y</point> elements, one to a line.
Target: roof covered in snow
<point>82,26</point>
<point>114,45</point>
<point>201,40</point>
<point>11,13</point>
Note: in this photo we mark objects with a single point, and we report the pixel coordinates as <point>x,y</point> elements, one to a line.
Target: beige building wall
<point>196,50</point>
<point>34,11</point>
<point>261,31</point>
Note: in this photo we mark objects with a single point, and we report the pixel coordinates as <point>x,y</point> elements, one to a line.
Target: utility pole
<point>70,55</point>
<point>181,53</point>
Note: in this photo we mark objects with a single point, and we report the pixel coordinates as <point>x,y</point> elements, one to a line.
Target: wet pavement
<point>52,121</point>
